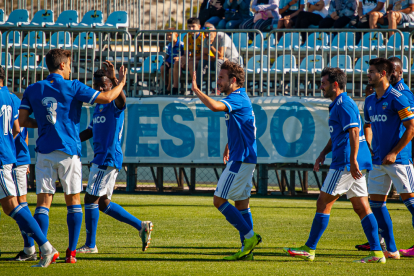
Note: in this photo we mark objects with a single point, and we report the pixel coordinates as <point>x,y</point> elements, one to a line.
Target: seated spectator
<point>211,11</point>
<point>341,15</point>
<point>398,12</point>
<point>369,89</point>
<point>366,8</point>
<point>175,49</point>
<point>236,11</point>
<point>317,10</point>
<point>222,48</point>
<point>265,12</point>
<point>289,14</point>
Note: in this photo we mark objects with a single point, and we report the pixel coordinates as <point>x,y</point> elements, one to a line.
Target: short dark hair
<point>335,75</point>
<point>99,74</point>
<point>193,20</point>
<point>55,57</point>
<point>234,71</point>
<point>396,60</point>
<point>382,64</point>
<point>2,74</point>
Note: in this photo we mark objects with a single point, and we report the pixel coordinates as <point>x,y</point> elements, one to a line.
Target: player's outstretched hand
<point>109,70</point>
<point>389,159</point>
<point>194,86</point>
<point>320,160</point>
<point>355,172</point>
<point>122,75</point>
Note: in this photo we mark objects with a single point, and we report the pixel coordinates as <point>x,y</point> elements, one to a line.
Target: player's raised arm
<point>213,105</point>
<point>107,97</point>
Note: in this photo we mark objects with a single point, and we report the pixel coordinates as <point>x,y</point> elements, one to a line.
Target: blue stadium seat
<point>315,41</point>
<point>283,64</point>
<point>255,46</point>
<point>24,61</point>
<point>315,64</point>
<point>397,45</point>
<point>150,65</point>
<point>344,62</point>
<point>40,18</point>
<point>2,17</point>
<point>89,19</point>
<point>9,60</point>
<point>241,41</point>
<point>81,43</point>
<point>371,40</point>
<point>42,65</point>
<point>343,41</point>
<point>65,19</point>
<point>13,39</point>
<point>254,63</point>
<point>34,39</point>
<point>117,19</point>
<point>364,62</point>
<point>288,42</point>
<point>17,17</point>
<point>60,40</point>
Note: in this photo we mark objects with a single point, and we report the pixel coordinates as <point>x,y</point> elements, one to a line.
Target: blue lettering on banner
<point>133,147</point>
<point>177,130</point>
<point>300,146</point>
<point>213,129</point>
<point>261,125</point>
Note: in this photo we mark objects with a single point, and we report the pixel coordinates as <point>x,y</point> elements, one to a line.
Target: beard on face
<point>328,92</point>
<point>224,88</point>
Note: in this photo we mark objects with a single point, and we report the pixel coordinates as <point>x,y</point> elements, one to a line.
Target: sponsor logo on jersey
<point>384,105</point>
<point>378,118</point>
<point>99,120</point>
<point>100,108</point>
<point>331,129</point>
<point>370,108</point>
<point>227,116</point>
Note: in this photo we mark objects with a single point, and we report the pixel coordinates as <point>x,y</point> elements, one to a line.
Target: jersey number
<point>51,106</point>
<point>6,113</point>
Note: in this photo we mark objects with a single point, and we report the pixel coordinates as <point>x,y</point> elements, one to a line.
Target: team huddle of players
<point>381,145</point>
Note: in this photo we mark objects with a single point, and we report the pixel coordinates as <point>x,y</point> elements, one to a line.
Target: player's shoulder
<point>394,93</point>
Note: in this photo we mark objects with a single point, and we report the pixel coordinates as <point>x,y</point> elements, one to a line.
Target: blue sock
<point>247,215</point>
<point>379,208</point>
<point>28,241</point>
<point>370,226</point>
<point>235,218</point>
<point>410,205</point>
<point>42,217</point>
<point>91,223</point>
<point>28,225</point>
<point>74,220</point>
<point>320,222</point>
<point>117,212</point>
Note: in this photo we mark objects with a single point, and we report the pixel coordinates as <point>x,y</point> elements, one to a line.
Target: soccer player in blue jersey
<point>350,155</point>
<point>385,111</point>
<point>56,103</point>
<point>240,154</point>
<point>106,129</point>
<point>9,127</point>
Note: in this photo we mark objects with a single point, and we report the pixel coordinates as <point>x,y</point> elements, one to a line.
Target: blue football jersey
<point>386,115</point>
<point>8,114</point>
<point>241,127</point>
<point>107,125</point>
<point>343,115</point>
<point>22,149</point>
<point>57,105</point>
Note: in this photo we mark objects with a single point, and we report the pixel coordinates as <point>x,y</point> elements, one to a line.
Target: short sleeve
<point>25,104</point>
<point>233,102</point>
<point>84,93</point>
<point>402,106</point>
<point>15,109</point>
<point>366,115</point>
<point>90,126</point>
<point>347,116</point>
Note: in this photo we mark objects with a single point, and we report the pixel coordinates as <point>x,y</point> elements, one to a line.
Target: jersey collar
<point>400,82</point>
<point>54,76</point>
<point>337,98</point>
<point>387,92</point>
<point>238,91</point>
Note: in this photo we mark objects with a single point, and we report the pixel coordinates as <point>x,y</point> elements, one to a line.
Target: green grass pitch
<point>191,237</point>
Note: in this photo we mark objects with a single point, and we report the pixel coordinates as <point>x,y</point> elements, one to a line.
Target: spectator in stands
<point>289,14</point>
<point>175,50</point>
<point>317,10</point>
<point>398,12</point>
<point>365,9</point>
<point>369,89</point>
<point>211,11</point>
<point>236,11</point>
<point>265,12</point>
<point>222,48</point>
<point>343,11</point>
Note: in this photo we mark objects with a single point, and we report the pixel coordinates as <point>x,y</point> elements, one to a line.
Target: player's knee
<point>360,210</point>
<point>320,205</point>
<point>103,203</point>
<point>90,199</point>
<point>218,201</point>
<point>392,15</point>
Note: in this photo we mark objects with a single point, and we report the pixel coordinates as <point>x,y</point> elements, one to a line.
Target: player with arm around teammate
<point>350,154</point>
<point>240,154</point>
<point>385,112</point>
<point>106,129</point>
<point>57,104</point>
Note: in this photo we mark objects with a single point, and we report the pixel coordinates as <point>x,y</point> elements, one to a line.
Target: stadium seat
<point>65,19</point>
<point>60,40</point>
<point>40,18</point>
<point>17,17</point>
<point>364,63</point>
<point>13,39</point>
<point>89,19</point>
<point>117,19</point>
<point>9,60</point>
<point>254,63</point>
<point>28,60</point>
<point>241,41</point>
<point>2,18</point>
<point>150,65</point>
<point>314,63</point>
<point>81,43</point>
<point>288,42</point>
<point>34,39</point>
<point>371,40</point>
<point>397,45</point>
<point>342,61</point>
<point>343,41</point>
<point>283,64</point>
<point>42,65</point>
<point>315,41</point>
<point>255,46</point>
